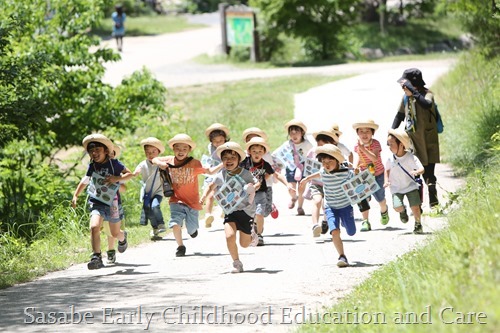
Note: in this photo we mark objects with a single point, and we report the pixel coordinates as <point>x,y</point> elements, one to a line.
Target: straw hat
<point>97,137</point>
<point>254,130</point>
<point>257,141</point>
<point>231,146</point>
<point>118,150</point>
<point>216,126</point>
<point>330,134</point>
<point>336,129</point>
<point>295,122</point>
<point>331,150</point>
<point>151,141</point>
<point>182,138</point>
<point>402,136</point>
<point>368,123</point>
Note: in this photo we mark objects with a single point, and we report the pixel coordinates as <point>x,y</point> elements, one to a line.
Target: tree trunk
<point>383,16</point>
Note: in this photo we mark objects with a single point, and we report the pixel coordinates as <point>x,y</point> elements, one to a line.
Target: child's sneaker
<point>255,238</point>
<point>122,246</point>
<point>209,219</point>
<point>154,235</point>
<point>237,266</point>
<point>111,256</point>
<point>194,234</point>
<point>366,226</point>
<point>316,230</point>
<point>403,216</point>
<point>95,261</point>
<point>418,228</point>
<point>385,217</point>
<point>342,261</point>
<point>161,228</point>
<point>324,227</point>
<point>260,239</point>
<point>274,212</point>
<point>300,211</point>
<point>181,251</point>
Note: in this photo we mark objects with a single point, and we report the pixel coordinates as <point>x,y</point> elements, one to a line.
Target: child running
<point>296,131</point>
<point>241,217</point>
<point>338,209</point>
<point>368,152</point>
<point>185,203</point>
<point>217,134</point>
<point>401,172</point>
<point>152,187</point>
<point>262,171</point>
<point>253,132</point>
<point>104,172</point>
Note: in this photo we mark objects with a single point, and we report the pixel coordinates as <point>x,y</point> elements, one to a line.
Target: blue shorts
<point>380,194</point>
<point>180,212</point>
<point>106,212</point>
<point>262,206</point>
<point>290,175</point>
<point>343,216</point>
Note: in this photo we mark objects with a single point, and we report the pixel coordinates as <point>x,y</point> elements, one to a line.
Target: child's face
<point>257,152</point>
<point>295,134</point>
<point>218,140</point>
<point>394,146</point>
<point>329,163</point>
<point>98,154</point>
<point>181,150</point>
<point>151,152</point>
<point>319,143</point>
<point>250,136</point>
<point>365,135</point>
<point>230,160</point>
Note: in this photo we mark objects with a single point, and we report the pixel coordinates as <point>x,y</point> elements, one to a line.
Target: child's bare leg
<point>177,230</point>
<point>316,208</point>
<point>245,239</point>
<point>300,200</point>
<point>111,243</point>
<point>383,206</point>
<point>366,214</point>
<point>293,193</point>
<point>337,242</point>
<point>116,231</point>
<point>259,220</point>
<point>95,233</point>
<point>416,212</point>
<point>230,230</point>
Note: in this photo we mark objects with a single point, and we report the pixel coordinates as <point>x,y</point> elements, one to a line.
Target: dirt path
<point>150,289</point>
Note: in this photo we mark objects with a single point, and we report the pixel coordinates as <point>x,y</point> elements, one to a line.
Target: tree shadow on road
<point>199,254</point>
<point>359,264</point>
<point>283,235</point>
<point>262,270</point>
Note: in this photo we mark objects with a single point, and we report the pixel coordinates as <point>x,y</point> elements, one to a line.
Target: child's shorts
<point>262,204</point>
<point>343,216</point>
<point>380,194</point>
<point>413,199</point>
<point>316,189</point>
<point>180,212</point>
<point>108,213</point>
<point>244,222</point>
<point>290,176</point>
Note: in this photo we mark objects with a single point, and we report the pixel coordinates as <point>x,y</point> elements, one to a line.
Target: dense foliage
<point>53,95</point>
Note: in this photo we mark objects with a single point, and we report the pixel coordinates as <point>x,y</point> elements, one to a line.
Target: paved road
<point>293,274</point>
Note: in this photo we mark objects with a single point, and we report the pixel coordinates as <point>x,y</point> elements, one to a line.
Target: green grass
<point>458,267</point>
<point>148,25</point>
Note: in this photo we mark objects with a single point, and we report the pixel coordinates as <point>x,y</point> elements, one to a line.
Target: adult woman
<point>418,111</point>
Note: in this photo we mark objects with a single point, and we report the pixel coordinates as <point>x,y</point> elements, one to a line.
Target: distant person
<point>118,18</point>
<point>151,187</point>
<point>401,172</point>
<point>185,202</point>
<point>100,149</point>
<point>338,209</point>
<point>217,134</point>
<point>368,151</point>
<point>300,146</point>
<point>241,218</point>
<point>418,111</point>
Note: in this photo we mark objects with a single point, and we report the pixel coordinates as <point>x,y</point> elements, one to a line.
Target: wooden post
<point>222,12</point>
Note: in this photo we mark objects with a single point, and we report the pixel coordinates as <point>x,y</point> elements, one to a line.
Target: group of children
<point>246,178</point>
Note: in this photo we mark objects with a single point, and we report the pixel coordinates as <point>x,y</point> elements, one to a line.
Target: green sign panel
<point>239,29</point>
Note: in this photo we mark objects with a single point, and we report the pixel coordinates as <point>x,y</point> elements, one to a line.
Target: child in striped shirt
<point>338,209</point>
